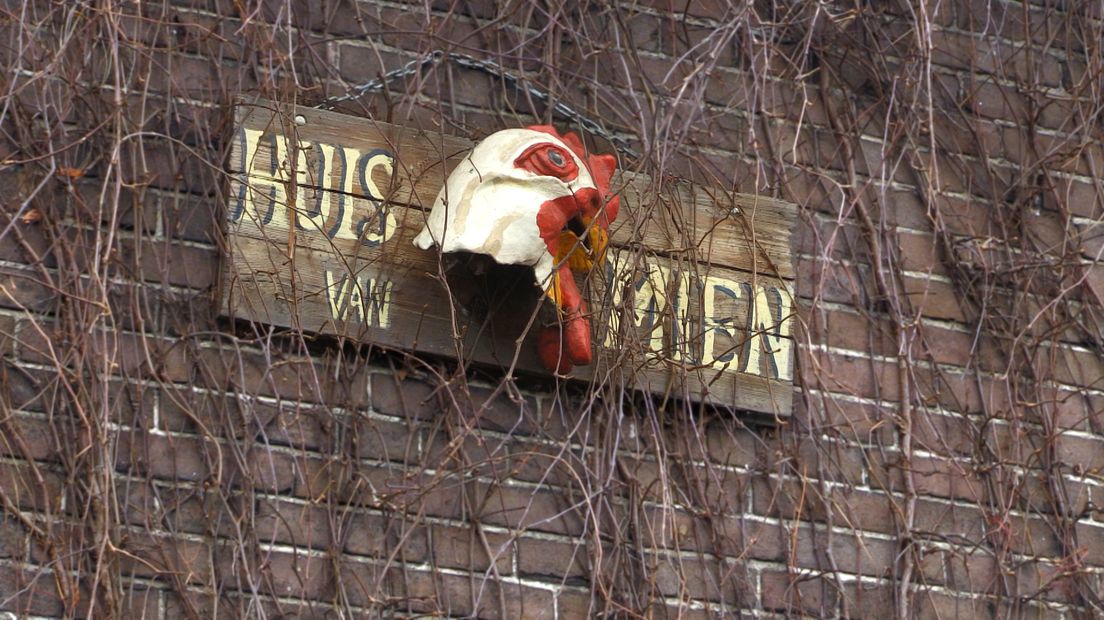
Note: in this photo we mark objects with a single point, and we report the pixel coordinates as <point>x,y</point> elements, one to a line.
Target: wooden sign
<point>694,301</point>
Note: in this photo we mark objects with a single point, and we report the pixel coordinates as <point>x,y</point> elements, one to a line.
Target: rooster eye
<point>549,160</point>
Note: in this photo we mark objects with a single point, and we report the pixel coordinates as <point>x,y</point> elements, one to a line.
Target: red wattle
<point>550,350</point>
<point>577,340</point>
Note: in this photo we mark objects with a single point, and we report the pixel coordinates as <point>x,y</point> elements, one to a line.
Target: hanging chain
<point>491,68</point>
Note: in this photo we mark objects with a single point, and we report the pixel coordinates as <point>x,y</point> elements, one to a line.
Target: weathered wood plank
<point>672,217</point>
<point>393,221</point>
<point>322,243</point>
<point>405,306</point>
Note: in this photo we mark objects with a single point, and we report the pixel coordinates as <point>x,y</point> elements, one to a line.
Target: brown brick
<point>1069,366</point>
<point>301,609</point>
<point>170,458</point>
<point>821,236</point>
<point>7,334</point>
<point>176,509</point>
<point>524,508</point>
<point>651,479</point>
<point>526,461</point>
<point>1076,497</point>
<point>225,37</point>
<point>293,378</point>
<point>834,282</point>
<point>1028,534</point>
<point>193,459</point>
<point>203,79</point>
<point>1078,411</point>
<point>1082,454</point>
<point>867,511</point>
<point>45,392</point>
<point>1048,581</point>
<point>133,355</point>
<point>558,559</point>
<point>300,525</point>
<point>826,413</point>
<point>965,522</point>
<point>503,412</point>
<point>935,299</point>
<point>13,540</point>
<point>33,486</point>
<point>919,252</point>
<point>451,595</point>
<point>361,63</point>
<point>849,374</point>
<point>202,604</point>
<point>724,534</point>
<point>163,557</point>
<point>990,99</point>
<point>462,547</point>
<point>365,584</point>
<point>802,546</point>
<point>692,611</point>
<point>932,605</point>
<point>960,348</point>
<point>141,603</point>
<point>275,448</point>
<point>26,244</point>
<point>820,595</point>
<point>988,55</point>
<point>187,217</point>
<point>946,478</point>
<point>179,265</point>
<point>575,604</point>
<point>1007,20</point>
<point>476,8</point>
<point>732,445</point>
<point>683,577</point>
<point>380,536</point>
<point>974,572</point>
<point>23,288</point>
<point>931,566</point>
<point>709,9</point>
<point>29,592</point>
<point>406,397</point>
<point>290,574</point>
<point>29,438</point>
<point>140,307</point>
<point>300,425</point>
<point>943,433</point>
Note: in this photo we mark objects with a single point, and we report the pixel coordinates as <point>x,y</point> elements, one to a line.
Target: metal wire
<point>489,67</point>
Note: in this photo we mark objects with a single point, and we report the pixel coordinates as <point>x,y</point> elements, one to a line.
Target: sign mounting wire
<point>490,68</point>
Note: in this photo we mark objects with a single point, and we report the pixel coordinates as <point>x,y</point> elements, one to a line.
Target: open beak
<point>582,245</point>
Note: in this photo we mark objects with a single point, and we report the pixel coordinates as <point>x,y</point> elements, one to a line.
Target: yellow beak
<point>581,257</point>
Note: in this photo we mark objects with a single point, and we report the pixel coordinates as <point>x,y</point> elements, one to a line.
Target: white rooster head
<point>532,197</point>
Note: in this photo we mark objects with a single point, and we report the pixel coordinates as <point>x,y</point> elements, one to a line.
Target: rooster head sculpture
<point>533,197</point>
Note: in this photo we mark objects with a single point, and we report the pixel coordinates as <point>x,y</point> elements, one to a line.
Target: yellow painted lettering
<point>264,199</point>
<point>336,293</point>
<point>715,323</point>
<point>312,209</point>
<point>362,299</point>
<point>649,293</point>
<point>769,347</point>
<point>375,228</point>
<point>381,303</point>
<point>682,336</point>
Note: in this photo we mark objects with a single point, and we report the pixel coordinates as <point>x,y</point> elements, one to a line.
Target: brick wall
<point>947,450</point>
